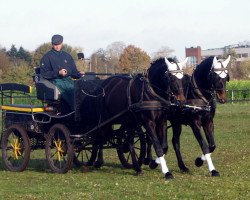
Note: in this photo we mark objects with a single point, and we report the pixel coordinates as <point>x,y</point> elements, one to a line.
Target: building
<point>196,55</point>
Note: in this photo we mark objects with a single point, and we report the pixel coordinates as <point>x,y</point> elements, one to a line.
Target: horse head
<point>211,76</point>
<point>165,75</point>
<point>219,76</point>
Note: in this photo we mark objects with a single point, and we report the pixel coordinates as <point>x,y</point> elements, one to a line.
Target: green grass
<point>231,159</point>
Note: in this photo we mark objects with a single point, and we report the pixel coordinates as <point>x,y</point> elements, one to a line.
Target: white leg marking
<point>209,162</point>
<point>203,157</point>
<point>157,160</point>
<point>164,167</point>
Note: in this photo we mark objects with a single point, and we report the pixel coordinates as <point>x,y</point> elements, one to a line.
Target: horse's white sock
<point>162,161</point>
<point>209,162</point>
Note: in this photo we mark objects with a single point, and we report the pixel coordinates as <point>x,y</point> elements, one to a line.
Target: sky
<point>147,24</point>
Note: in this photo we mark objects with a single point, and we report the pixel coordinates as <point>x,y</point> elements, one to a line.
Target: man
<point>59,67</point>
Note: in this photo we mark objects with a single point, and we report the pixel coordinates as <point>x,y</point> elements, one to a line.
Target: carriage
<point>150,100</point>
<point>49,125</point>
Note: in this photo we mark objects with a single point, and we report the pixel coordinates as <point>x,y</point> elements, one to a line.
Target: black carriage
<point>47,124</point>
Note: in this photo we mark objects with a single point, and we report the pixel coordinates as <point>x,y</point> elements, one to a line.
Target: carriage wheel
<point>15,148</point>
<point>85,157</point>
<point>58,149</point>
<point>123,149</point>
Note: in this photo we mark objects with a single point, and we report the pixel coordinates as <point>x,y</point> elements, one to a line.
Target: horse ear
<point>225,62</point>
<point>215,62</point>
<point>183,63</point>
<point>170,65</point>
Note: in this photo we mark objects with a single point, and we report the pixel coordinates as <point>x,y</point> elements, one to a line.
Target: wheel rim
<point>123,149</point>
<point>58,150</point>
<point>15,148</point>
<point>85,157</point>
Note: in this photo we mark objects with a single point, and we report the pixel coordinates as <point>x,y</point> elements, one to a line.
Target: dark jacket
<point>53,61</point>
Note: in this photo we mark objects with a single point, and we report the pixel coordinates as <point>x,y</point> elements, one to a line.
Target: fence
<point>238,95</point>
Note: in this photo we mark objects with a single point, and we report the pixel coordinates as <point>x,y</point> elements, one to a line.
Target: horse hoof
<point>168,176</point>
<point>212,148</point>
<point>153,164</point>
<point>98,164</point>
<point>215,173</point>
<point>199,162</point>
<point>146,161</point>
<point>89,164</point>
<point>184,169</point>
<point>85,169</point>
<point>140,173</point>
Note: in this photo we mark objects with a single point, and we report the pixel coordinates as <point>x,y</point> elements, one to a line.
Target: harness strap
<point>148,105</point>
<point>197,90</point>
<point>152,92</point>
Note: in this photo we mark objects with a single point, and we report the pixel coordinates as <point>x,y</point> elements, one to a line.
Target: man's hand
<point>63,72</point>
<point>82,73</point>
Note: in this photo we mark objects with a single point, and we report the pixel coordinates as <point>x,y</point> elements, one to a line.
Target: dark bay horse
<point>207,82</point>
<point>141,105</point>
<point>156,74</point>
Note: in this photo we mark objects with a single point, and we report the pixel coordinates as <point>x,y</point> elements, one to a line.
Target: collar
<point>56,52</point>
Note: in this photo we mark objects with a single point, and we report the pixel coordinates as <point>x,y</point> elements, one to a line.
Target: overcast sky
<point>148,24</point>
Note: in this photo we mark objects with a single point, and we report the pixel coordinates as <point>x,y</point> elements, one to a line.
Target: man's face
<point>58,47</point>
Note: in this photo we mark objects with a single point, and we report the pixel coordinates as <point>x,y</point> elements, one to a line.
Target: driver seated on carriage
<point>59,68</point>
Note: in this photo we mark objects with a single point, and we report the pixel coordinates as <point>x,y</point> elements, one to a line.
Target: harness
<point>142,105</point>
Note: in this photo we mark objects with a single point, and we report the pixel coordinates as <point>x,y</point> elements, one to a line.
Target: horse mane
<point>203,69</point>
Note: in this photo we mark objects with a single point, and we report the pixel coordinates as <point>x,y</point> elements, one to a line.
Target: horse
<point>156,73</point>
<point>133,102</point>
<point>207,83</point>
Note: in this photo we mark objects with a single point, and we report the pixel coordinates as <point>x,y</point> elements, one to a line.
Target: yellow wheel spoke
<point>60,150</point>
<point>16,148</point>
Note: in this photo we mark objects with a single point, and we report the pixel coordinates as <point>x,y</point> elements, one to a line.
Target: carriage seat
<point>46,91</point>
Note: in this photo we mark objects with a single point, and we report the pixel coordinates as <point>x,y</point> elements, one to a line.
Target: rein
<point>158,104</point>
<point>197,90</point>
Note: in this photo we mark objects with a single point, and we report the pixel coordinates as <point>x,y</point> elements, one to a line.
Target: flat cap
<point>56,39</point>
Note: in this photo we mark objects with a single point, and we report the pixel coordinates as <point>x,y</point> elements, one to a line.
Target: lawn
<point>112,181</point>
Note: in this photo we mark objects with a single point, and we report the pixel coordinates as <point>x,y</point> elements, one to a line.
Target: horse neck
<point>202,88</point>
<point>156,82</point>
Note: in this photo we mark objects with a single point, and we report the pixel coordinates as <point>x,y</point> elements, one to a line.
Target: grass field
<point>231,159</point>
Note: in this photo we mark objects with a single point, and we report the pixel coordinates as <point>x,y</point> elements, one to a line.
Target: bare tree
<point>112,55</point>
<point>164,51</point>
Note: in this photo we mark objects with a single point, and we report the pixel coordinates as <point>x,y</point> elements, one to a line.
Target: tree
<point>233,71</point>
<point>99,61</point>
<point>12,53</point>
<point>164,51</point>
<point>19,74</point>
<point>133,60</point>
<point>5,63</point>
<point>112,55</point>
<point>24,55</point>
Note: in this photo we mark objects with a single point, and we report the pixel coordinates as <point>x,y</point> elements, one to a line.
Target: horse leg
<point>148,156</point>
<point>205,149</point>
<point>208,127</point>
<point>158,149</point>
<point>176,144</point>
<point>99,162</point>
<point>162,130</point>
<point>134,157</point>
